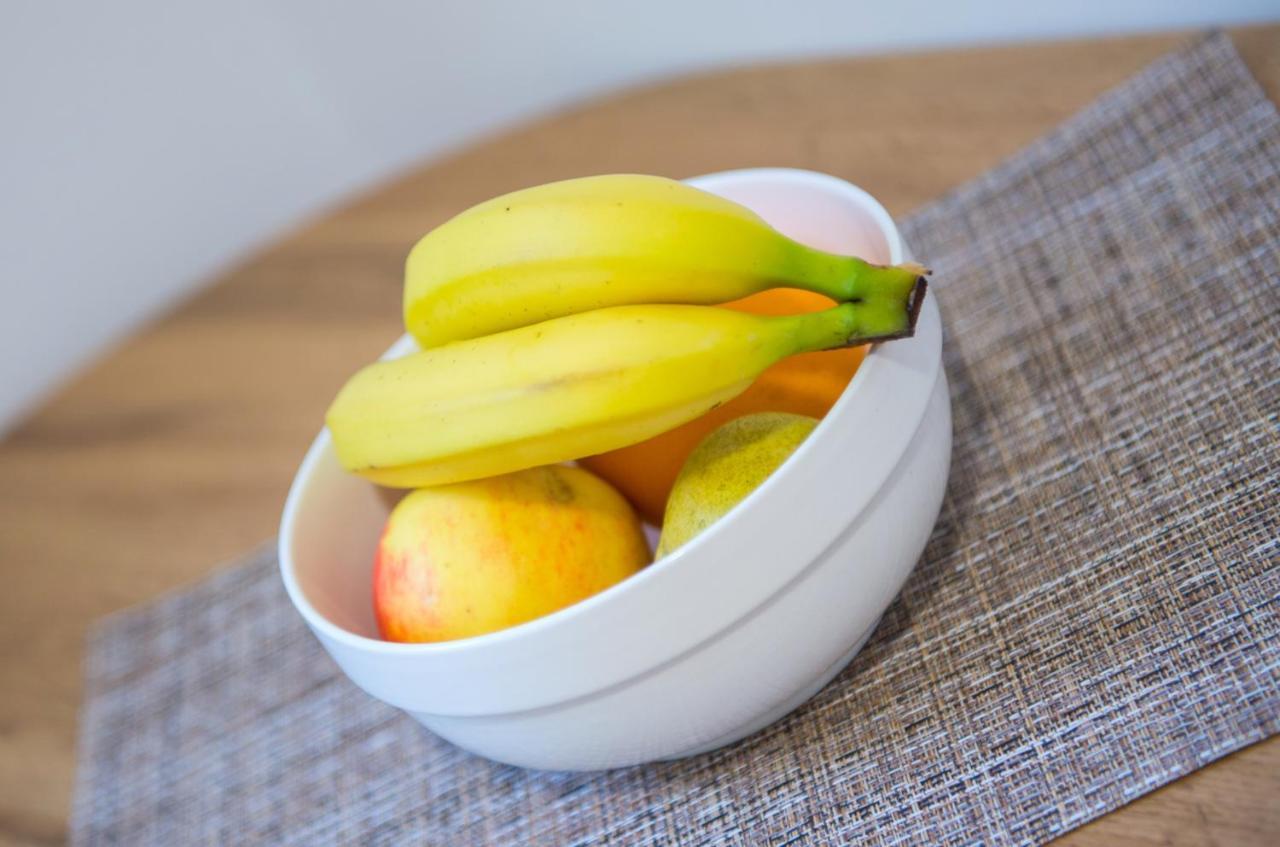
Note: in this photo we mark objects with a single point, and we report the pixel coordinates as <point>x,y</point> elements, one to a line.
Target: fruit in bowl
<point>473,557</point>
<point>666,663</point>
<point>725,467</point>
<point>566,321</point>
<point>805,384</point>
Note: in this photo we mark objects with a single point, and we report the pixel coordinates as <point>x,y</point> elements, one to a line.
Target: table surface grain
<point>173,452</point>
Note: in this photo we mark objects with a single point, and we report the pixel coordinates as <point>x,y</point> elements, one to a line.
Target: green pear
<point>725,467</point>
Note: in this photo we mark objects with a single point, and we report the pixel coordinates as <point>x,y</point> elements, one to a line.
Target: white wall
<point>145,143</point>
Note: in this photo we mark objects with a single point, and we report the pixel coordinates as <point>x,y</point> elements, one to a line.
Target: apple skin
<point>460,560</point>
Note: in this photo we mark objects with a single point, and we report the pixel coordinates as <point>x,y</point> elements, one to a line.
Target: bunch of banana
<point>555,324</point>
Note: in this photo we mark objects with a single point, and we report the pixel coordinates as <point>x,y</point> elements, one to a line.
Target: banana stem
<point>884,315</point>
<point>848,279</point>
<point>869,281</point>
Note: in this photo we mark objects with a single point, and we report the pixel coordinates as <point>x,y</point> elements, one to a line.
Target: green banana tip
<point>915,299</point>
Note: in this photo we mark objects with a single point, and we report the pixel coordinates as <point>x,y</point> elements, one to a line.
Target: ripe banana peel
<point>574,386</point>
<point>571,319</point>
<point>623,239</point>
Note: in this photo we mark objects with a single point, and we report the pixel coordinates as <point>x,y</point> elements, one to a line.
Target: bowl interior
<point>815,209</point>
<point>333,519</point>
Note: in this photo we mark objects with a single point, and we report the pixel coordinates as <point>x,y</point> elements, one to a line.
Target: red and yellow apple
<point>474,557</point>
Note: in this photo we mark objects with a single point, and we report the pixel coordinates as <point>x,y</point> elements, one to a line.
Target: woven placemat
<point>1096,614</point>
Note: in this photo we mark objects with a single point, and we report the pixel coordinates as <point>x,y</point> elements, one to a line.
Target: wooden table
<point>173,452</point>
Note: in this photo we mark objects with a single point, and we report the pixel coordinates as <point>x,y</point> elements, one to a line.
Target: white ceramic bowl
<point>712,643</point>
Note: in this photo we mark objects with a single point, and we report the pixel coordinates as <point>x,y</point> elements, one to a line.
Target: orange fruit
<point>807,384</point>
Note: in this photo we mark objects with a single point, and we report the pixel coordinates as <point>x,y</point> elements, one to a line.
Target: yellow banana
<point>583,244</point>
<point>573,386</point>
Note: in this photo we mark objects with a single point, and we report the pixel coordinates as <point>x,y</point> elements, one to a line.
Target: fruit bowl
<point>704,647</point>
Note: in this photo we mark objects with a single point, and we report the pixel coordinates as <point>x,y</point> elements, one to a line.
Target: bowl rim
<point>872,363</point>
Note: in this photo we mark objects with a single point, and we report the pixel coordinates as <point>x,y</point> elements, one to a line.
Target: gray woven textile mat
<point>1098,611</point>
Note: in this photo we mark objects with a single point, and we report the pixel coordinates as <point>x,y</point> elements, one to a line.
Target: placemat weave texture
<point>1098,611</point>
